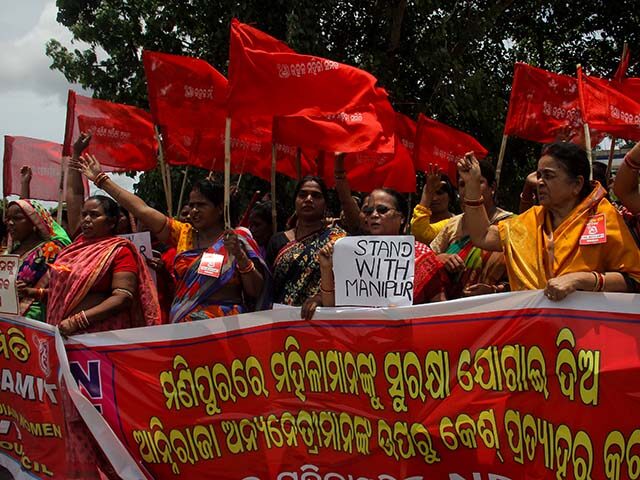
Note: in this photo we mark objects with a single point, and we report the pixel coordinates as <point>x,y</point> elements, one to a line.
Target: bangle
<point>100,179</point>
<point>327,290</point>
<point>474,203</point>
<point>631,163</point>
<point>40,294</point>
<point>122,290</point>
<point>248,269</point>
<point>600,280</point>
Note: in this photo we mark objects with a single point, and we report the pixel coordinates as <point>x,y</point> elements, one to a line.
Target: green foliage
<point>452,60</point>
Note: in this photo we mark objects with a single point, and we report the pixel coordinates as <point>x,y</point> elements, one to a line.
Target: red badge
<point>211,264</point>
<point>595,231</point>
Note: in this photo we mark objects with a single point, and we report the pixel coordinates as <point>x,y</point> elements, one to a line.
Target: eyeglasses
<point>381,209</point>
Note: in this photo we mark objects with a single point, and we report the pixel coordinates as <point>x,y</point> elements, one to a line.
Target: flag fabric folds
<point>123,137</point>
<point>607,109</point>
<point>442,145</point>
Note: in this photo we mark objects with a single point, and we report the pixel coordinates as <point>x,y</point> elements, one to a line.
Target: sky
<point>32,97</point>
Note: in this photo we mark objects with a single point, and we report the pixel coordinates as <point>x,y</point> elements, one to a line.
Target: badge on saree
<point>211,264</point>
<point>595,231</point>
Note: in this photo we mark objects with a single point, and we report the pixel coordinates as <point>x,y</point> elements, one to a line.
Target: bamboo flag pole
<point>63,164</point>
<point>167,174</point>
<point>274,213</point>
<point>612,151</point>
<point>587,147</point>
<point>163,173</point>
<point>227,174</point>
<point>182,189</point>
<point>503,148</point>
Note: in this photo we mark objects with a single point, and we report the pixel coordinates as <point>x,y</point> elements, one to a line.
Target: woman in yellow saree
<point>574,240</point>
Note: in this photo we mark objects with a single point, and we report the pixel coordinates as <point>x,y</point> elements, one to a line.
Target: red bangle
<point>474,203</point>
<point>100,179</point>
<point>248,269</point>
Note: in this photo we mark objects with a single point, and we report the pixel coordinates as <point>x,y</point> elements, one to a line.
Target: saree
<point>296,271</point>
<point>429,275</point>
<point>535,253</point>
<point>81,265</point>
<point>194,290</point>
<point>34,264</point>
<point>480,266</point>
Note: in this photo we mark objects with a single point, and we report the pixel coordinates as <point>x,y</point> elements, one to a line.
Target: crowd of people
<point>82,277</point>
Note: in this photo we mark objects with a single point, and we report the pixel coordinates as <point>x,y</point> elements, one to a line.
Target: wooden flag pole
<point>299,163</point>
<point>587,147</point>
<point>182,189</point>
<point>227,174</point>
<point>612,151</point>
<point>503,149</point>
<point>163,173</point>
<point>274,212</point>
<point>63,164</point>
<point>167,174</point>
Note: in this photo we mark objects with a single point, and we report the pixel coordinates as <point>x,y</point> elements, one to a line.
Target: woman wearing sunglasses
<point>385,215</point>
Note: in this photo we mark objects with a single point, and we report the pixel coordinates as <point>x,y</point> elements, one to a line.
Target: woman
<point>296,273</point>
<point>261,225</point>
<point>472,271</point>
<point>217,272</point>
<point>574,240</point>
<point>626,189</point>
<point>37,239</point>
<point>433,212</point>
<point>100,281</point>
<point>385,216</point>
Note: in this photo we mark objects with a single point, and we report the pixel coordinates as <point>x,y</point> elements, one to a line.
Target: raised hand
<point>469,168</point>
<point>89,166</point>
<point>25,174</point>
<point>433,181</point>
<point>81,143</point>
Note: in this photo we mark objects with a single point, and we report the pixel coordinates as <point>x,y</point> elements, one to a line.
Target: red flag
<point>250,149</point>
<point>368,170</point>
<point>607,109</point>
<point>542,104</point>
<point>623,66</point>
<point>268,78</point>
<point>43,157</point>
<point>443,145</point>
<point>123,137</point>
<point>354,130</point>
<point>184,91</point>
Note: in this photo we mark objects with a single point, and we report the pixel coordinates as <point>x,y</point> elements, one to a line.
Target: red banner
<point>123,137</point>
<point>268,78</point>
<point>542,105</point>
<point>607,109</point>
<point>43,157</point>
<point>502,386</point>
<point>443,145</point>
<point>184,91</point>
<point>32,425</point>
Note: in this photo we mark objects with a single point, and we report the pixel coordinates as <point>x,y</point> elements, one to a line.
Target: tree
<point>452,60</point>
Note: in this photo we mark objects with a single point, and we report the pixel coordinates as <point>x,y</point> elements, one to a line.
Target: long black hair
<point>312,178</point>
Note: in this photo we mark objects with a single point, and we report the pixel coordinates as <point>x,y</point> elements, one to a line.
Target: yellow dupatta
<point>533,255</point>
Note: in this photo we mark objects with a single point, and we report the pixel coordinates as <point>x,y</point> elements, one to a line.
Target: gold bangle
<point>100,179</point>
<point>324,290</point>
<point>248,269</point>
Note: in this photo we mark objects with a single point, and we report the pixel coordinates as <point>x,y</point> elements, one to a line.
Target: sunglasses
<point>381,209</point>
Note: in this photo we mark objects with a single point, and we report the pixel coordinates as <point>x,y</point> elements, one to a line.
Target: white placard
<point>9,265</point>
<point>142,241</point>
<point>374,271</point>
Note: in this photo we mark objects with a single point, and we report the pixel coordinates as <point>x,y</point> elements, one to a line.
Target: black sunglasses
<point>381,209</point>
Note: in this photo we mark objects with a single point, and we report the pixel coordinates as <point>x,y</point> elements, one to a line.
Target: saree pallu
<point>534,254</point>
<point>83,263</point>
<point>193,290</point>
<point>429,275</point>
<point>296,271</point>
<point>480,266</point>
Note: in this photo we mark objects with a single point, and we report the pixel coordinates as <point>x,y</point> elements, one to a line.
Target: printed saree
<point>34,264</point>
<point>534,254</point>
<point>194,290</point>
<point>82,264</point>
<point>296,271</point>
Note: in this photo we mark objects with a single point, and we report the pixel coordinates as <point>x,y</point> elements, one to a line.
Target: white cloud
<point>25,66</point>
